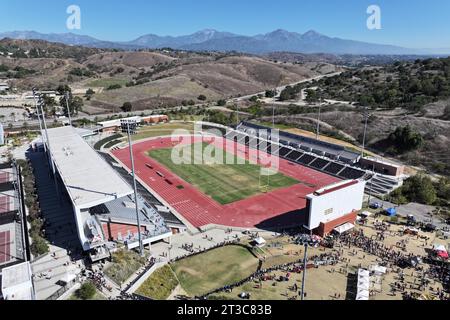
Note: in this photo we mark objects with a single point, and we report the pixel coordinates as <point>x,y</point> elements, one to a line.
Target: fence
<point>64,289</point>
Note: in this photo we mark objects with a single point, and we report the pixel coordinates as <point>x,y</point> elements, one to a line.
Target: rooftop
<point>89,180</point>
<point>16,282</point>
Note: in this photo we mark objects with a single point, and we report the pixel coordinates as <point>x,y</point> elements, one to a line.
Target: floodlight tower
<point>66,96</point>
<point>39,117</point>
<point>366,116</point>
<point>305,259</point>
<point>129,127</point>
<point>41,104</point>
<point>318,123</point>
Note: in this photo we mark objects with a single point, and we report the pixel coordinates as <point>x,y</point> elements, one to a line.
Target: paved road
<point>279,89</point>
<point>420,211</point>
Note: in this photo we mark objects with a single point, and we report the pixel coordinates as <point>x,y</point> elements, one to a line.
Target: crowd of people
<point>266,274</point>
<point>375,247</point>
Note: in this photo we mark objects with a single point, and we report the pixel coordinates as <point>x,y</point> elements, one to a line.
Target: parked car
<point>375,205</point>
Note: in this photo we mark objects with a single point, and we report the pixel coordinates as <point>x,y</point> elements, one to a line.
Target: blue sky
<point>409,23</point>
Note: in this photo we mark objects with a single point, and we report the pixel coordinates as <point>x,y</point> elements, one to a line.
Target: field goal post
<point>264,181</point>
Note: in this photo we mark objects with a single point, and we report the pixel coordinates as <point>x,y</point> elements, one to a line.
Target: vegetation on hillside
<point>422,189</point>
<point>408,85</point>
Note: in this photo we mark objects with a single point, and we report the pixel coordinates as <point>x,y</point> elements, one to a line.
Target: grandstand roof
<point>89,180</point>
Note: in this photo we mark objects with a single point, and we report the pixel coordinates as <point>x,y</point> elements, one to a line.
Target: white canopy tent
<point>366,214</point>
<point>439,247</point>
<point>378,270</point>
<point>344,228</point>
<point>363,285</point>
<point>260,242</point>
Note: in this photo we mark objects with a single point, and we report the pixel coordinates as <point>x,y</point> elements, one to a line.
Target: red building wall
<point>326,228</point>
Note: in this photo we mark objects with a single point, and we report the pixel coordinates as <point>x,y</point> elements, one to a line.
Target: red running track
<point>269,209</point>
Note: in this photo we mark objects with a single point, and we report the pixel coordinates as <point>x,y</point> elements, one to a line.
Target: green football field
<point>225,183</point>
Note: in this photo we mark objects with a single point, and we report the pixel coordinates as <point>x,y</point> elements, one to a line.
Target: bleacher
<point>294,155</point>
<point>284,151</point>
<point>334,168</point>
<point>319,163</point>
<point>351,173</point>
<point>307,144</point>
<point>306,159</point>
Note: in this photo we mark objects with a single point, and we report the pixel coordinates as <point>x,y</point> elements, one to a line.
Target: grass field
<point>213,269</point>
<point>225,183</point>
<point>159,285</point>
<point>162,130</point>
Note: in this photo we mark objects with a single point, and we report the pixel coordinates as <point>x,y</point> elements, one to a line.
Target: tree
<point>75,104</point>
<point>420,189</point>
<point>446,115</point>
<point>86,291</point>
<point>221,103</point>
<point>202,97</point>
<point>406,139</point>
<point>271,93</point>
<point>127,107</point>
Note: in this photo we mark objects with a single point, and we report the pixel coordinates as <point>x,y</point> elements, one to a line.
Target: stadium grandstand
<point>90,183</point>
<point>322,156</point>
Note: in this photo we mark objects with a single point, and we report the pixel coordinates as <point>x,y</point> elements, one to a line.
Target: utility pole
<point>125,125</point>
<point>66,94</point>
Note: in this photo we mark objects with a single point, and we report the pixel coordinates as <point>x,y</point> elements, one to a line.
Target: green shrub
<point>86,291</point>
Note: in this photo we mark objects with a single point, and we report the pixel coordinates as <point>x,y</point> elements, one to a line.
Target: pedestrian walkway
<point>65,256</point>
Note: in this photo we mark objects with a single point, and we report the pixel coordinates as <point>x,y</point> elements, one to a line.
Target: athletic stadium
<point>241,195</point>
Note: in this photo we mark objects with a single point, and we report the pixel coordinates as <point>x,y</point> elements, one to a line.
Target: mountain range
<point>213,40</point>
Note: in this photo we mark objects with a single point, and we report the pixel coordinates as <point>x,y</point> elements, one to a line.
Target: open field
<point>162,130</point>
<point>159,285</point>
<point>106,82</point>
<point>225,183</point>
<point>215,268</point>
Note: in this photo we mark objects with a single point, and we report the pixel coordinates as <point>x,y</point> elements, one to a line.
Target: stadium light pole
<point>66,95</point>
<point>273,116</point>
<point>366,118</point>
<point>125,126</point>
<point>39,118</point>
<point>304,270</point>
<point>41,104</point>
<point>318,123</point>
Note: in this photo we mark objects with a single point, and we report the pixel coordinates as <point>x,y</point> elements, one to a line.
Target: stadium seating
<point>284,152</point>
<point>334,168</point>
<point>294,155</point>
<point>351,173</point>
<point>306,159</point>
<point>319,163</point>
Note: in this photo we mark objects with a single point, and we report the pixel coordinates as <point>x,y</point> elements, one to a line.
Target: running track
<point>201,210</point>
